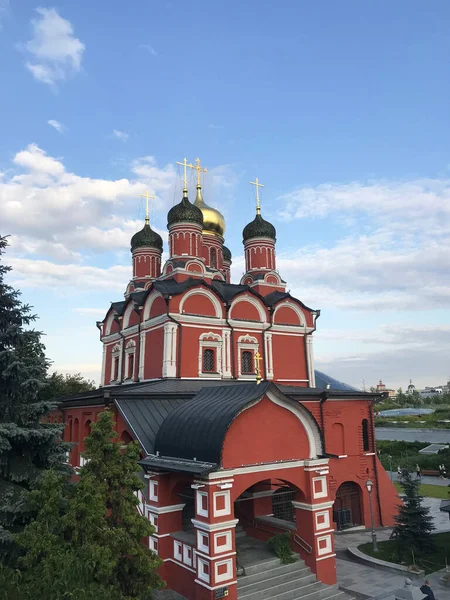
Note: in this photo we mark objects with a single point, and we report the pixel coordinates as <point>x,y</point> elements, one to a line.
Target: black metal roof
<point>323,381</point>
<point>197,429</point>
<point>226,291</point>
<point>155,462</point>
<point>144,417</point>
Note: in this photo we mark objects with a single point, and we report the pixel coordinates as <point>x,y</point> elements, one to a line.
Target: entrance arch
<point>347,511</point>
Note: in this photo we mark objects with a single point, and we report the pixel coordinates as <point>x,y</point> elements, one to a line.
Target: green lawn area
<point>429,491</point>
<point>432,563</point>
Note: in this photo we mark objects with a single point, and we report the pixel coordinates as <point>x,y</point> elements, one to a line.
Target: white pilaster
<point>310,361</point>
<point>103,366</point>
<point>226,353</point>
<point>142,356</point>
<point>268,354</point>
<point>170,350</point>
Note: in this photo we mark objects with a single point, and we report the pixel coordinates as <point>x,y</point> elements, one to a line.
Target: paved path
<point>424,479</point>
<point>370,582</point>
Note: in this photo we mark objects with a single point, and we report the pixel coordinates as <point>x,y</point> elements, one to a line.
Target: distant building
<point>382,389</point>
<point>411,388</point>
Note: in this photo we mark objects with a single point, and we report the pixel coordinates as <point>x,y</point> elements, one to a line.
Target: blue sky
<point>340,109</point>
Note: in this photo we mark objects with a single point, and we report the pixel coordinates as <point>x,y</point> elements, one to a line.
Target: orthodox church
<point>241,439</point>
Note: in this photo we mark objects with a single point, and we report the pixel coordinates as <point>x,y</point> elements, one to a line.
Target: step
<point>262,567</point>
<point>296,592</point>
<point>281,571</point>
<point>273,589</point>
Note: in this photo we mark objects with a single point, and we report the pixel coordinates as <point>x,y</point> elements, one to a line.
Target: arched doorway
<point>347,510</point>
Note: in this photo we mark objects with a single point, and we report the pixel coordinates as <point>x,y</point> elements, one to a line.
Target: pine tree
<point>414,523</point>
<point>27,445</point>
<point>86,540</point>
<point>115,469</point>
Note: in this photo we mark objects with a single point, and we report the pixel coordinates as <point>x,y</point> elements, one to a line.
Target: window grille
<point>365,434</point>
<point>116,368</point>
<point>247,362</point>
<point>282,506</point>
<point>209,362</point>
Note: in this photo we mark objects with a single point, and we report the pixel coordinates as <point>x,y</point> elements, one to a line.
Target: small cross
<point>257,185</point>
<point>184,164</point>
<point>258,359</point>
<point>147,196</point>
<point>198,168</point>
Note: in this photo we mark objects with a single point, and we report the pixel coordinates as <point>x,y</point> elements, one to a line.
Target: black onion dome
<point>146,237</point>
<point>226,254</point>
<point>184,211</point>
<point>259,227</point>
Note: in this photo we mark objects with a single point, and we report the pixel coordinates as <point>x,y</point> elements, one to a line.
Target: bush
<point>281,545</point>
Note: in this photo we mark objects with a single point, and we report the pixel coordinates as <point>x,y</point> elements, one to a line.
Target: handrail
<point>258,525</point>
<point>302,543</point>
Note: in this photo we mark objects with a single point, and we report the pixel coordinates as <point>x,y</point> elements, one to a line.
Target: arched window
<point>213,258</point>
<point>365,435</point>
<point>209,361</point>
<point>247,362</point>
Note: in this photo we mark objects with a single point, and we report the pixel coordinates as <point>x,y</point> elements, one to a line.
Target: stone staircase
<point>265,578</point>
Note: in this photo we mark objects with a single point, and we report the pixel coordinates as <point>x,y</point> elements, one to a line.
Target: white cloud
<point>55,53</point>
<point>52,212</point>
<point>56,125</point>
<point>28,273</point>
<point>4,9</point>
<point>149,49</point>
<point>121,135</point>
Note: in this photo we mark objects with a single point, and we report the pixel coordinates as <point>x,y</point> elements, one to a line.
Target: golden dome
<point>213,220</point>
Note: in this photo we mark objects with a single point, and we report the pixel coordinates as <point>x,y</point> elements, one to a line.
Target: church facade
<point>217,383</point>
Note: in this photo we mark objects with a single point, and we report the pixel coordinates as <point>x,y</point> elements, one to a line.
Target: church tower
<point>146,251</point>
<point>259,237</point>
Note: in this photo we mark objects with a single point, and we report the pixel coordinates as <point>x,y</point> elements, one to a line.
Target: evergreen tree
<point>414,523</point>
<point>116,468</point>
<point>27,445</point>
<point>86,540</point>
<point>59,385</point>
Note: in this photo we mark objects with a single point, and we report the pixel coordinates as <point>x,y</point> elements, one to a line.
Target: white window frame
<point>153,518</point>
<point>328,547</point>
<point>250,343</point>
<point>186,559</point>
<point>130,348</point>
<point>201,574</point>
<point>153,544</point>
<point>326,522</point>
<point>116,353</point>
<point>200,542</point>
<point>178,550</point>
<point>222,511</point>
<point>324,491</point>
<point>224,576</point>
<point>211,341</point>
<point>153,490</point>
<point>228,546</point>
<point>200,510</point>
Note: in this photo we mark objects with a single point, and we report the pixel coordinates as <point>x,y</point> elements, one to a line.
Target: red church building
<point>241,438</point>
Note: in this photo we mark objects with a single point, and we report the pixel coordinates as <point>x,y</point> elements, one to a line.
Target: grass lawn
<point>429,491</point>
<point>432,563</point>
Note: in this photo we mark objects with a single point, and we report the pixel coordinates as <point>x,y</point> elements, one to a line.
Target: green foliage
<point>430,563</point>
<point>59,385</point>
<point>281,545</point>
<point>414,524</point>
<point>28,446</point>
<point>86,540</point>
<point>406,455</point>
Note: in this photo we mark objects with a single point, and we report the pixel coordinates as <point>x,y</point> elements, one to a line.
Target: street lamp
<point>369,486</point>
<point>390,464</point>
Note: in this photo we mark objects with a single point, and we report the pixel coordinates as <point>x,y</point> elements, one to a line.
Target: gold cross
<point>147,197</point>
<point>258,359</point>
<point>184,164</point>
<point>258,204</point>
<point>198,168</point>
